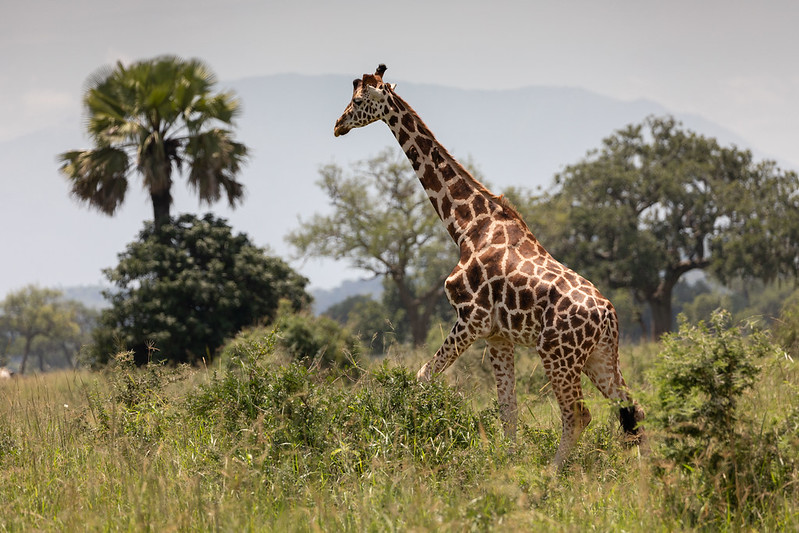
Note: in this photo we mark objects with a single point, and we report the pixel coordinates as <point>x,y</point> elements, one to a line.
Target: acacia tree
<point>152,118</point>
<point>35,316</point>
<point>382,223</point>
<point>657,201</point>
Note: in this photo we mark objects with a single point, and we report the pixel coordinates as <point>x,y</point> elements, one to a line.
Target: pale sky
<point>733,62</point>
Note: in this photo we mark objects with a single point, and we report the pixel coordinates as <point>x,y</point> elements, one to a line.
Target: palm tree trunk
<point>162,201</point>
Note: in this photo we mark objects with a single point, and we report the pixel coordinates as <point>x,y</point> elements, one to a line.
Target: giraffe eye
<point>357,101</point>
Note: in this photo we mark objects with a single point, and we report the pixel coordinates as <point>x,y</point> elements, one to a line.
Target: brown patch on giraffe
<point>447,172</point>
<point>408,123</point>
<point>493,266</point>
<point>437,159</point>
<point>403,137</point>
<point>499,237</point>
<point>568,338</point>
<point>465,312</point>
<point>571,278</point>
<point>460,190</point>
<point>456,288</point>
<point>483,297</point>
<point>392,121</point>
<point>562,284</point>
<point>517,321</point>
<point>463,212</point>
<point>430,180</point>
<point>503,316</point>
<point>474,276</point>
<point>480,206</point>
<point>548,276</point>
<point>528,249</point>
<point>526,298</point>
<point>515,234</point>
<point>564,304</point>
<point>510,299</point>
<point>497,290</point>
<point>527,268</point>
<point>446,208</point>
<point>424,144</point>
<point>518,280</point>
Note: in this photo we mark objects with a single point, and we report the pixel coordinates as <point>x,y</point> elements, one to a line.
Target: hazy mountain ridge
<point>518,137</point>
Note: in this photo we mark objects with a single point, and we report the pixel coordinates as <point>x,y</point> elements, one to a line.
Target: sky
<point>733,62</point>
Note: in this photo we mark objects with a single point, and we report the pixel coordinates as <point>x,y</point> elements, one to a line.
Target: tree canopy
<point>657,201</point>
<point>180,292</point>
<point>154,117</point>
<point>382,222</point>
<point>39,321</point>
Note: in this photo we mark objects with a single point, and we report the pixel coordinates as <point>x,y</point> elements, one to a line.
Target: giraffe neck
<point>462,202</point>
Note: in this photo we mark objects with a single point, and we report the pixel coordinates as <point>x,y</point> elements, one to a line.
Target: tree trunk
<point>660,305</point>
<point>162,201</point>
<point>25,355</point>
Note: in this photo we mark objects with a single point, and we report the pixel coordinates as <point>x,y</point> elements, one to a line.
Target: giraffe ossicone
<point>506,288</point>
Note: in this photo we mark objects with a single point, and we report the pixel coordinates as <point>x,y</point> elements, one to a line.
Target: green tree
<point>366,317</point>
<point>657,201</point>
<point>185,289</point>
<point>152,118</point>
<point>34,316</point>
<point>382,223</point>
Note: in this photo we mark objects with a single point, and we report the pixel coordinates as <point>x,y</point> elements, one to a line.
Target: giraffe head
<point>370,102</point>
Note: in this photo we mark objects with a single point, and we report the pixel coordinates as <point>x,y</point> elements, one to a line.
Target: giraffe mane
<point>501,200</point>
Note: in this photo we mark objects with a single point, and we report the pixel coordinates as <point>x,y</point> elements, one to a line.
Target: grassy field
<point>261,444</point>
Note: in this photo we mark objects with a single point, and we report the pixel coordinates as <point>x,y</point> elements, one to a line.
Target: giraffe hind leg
<point>603,369</point>
<point>575,416</point>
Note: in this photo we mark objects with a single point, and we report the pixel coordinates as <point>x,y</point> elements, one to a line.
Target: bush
<point>318,341</point>
<point>186,288</point>
<point>294,418</point>
<point>731,455</point>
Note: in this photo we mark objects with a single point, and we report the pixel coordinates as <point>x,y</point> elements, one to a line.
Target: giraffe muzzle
<point>340,128</point>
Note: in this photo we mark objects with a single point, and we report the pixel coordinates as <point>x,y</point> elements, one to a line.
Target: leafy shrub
<point>317,341</point>
<point>294,417</point>
<point>724,451</point>
<point>187,287</point>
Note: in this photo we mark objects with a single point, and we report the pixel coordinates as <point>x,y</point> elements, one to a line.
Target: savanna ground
<point>258,442</point>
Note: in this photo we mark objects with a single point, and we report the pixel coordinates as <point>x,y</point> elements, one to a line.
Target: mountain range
<point>519,137</point>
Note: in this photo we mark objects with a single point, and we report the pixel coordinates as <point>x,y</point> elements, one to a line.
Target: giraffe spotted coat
<point>506,288</point>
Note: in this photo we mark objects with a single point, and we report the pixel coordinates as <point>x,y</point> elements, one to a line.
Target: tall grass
<point>260,443</point>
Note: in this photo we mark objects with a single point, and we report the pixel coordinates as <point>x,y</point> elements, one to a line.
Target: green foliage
<point>786,328</point>
<point>154,117</point>
<point>137,406</point>
<point>720,447</point>
<point>36,321</point>
<point>185,289</point>
<point>298,417</point>
<point>369,319</point>
<point>382,222</point>
<point>319,341</point>
<point>265,444</point>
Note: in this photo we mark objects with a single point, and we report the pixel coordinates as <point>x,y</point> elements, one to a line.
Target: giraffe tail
<point>631,417</point>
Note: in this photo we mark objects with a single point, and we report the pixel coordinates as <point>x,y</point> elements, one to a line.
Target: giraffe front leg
<point>454,345</point>
<point>500,354</point>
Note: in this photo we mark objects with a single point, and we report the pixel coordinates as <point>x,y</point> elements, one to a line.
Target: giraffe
<point>506,288</point>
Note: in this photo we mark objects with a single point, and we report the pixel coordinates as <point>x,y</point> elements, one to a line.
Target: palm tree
<point>151,118</point>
